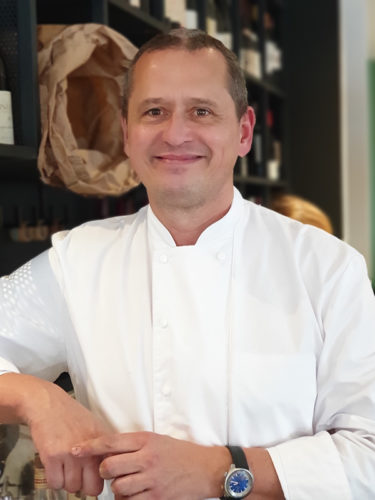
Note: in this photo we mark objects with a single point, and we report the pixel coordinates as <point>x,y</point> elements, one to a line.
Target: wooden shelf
<point>134,23</point>
<point>18,163</point>
<point>266,85</point>
<point>140,15</point>
<point>260,181</point>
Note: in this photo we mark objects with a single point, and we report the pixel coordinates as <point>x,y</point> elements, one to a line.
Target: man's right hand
<point>56,422</point>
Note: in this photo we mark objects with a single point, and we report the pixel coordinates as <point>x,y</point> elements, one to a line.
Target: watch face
<point>238,483</point>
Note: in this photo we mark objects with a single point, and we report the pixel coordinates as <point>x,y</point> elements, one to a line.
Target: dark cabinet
<point>260,46</point>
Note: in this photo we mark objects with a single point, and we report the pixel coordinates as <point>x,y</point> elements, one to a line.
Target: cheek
<point>140,140</point>
<point>225,144</point>
<point>132,145</point>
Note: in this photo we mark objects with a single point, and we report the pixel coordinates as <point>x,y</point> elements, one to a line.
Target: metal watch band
<point>238,457</point>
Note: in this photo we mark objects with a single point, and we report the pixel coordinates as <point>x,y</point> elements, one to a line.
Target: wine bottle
<point>250,57</point>
<point>191,14</point>
<point>244,170</point>
<point>224,33</point>
<point>211,20</point>
<point>176,11</point>
<point>5,493</point>
<point>135,3</point>
<point>273,53</point>
<point>273,149</point>
<point>6,117</point>
<point>41,489</point>
<point>156,8</point>
<point>257,167</point>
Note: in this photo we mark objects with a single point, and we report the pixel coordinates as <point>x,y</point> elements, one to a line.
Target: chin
<point>182,197</point>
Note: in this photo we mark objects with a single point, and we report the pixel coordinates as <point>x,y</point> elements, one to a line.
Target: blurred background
<point>310,72</point>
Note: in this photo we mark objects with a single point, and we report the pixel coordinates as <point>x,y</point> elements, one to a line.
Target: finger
<point>110,443</point>
<point>133,484</point>
<point>145,495</point>
<point>120,465</point>
<point>54,473</point>
<point>92,483</point>
<point>72,474</point>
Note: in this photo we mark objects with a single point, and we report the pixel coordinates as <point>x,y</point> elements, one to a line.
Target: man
<point>200,322</point>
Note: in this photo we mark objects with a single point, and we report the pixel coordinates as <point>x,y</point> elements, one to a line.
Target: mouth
<point>179,159</point>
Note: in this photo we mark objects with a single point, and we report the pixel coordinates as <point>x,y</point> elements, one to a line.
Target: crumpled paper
<point>81,71</point>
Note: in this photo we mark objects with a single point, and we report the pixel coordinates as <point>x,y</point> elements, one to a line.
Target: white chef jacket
<point>260,334</point>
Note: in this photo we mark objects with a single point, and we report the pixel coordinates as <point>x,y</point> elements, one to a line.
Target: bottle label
<point>175,11</point>
<point>6,119</point>
<point>40,480</point>
<point>211,26</point>
<point>191,19</point>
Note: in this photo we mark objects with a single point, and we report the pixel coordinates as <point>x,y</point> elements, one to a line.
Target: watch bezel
<point>233,494</point>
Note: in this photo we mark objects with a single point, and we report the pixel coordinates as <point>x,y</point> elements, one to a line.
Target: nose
<point>177,130</point>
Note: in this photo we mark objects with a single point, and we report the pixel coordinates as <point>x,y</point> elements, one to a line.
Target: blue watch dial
<point>239,482</point>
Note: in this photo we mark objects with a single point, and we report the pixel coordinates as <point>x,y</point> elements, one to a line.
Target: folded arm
<point>33,321</point>
<point>56,422</point>
<point>145,465</point>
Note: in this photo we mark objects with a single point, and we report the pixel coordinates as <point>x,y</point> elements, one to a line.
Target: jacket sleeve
<point>33,321</point>
<point>338,461</point>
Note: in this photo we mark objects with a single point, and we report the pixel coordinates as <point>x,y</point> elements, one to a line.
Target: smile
<point>182,158</point>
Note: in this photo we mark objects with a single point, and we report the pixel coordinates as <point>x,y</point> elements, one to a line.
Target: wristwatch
<point>238,481</point>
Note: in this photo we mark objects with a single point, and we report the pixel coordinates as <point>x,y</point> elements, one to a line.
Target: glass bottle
<point>211,20</point>
<point>191,14</point>
<point>41,488</point>
<point>5,494</point>
<point>273,149</point>
<point>6,117</point>
<point>257,165</point>
<point>224,30</point>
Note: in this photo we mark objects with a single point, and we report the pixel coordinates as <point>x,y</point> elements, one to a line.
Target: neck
<point>187,224</point>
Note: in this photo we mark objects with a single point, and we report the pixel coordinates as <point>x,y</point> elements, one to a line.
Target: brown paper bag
<point>81,70</point>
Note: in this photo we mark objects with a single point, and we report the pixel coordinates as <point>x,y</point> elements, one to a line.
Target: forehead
<point>173,70</point>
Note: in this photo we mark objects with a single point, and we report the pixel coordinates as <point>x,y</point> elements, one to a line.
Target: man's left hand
<point>149,466</point>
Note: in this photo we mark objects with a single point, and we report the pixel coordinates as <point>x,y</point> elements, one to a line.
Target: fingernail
<point>76,450</point>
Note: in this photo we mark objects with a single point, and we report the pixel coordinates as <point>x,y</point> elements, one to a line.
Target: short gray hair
<point>191,40</point>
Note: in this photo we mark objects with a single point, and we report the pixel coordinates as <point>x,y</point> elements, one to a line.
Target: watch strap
<point>238,460</point>
<point>238,457</point>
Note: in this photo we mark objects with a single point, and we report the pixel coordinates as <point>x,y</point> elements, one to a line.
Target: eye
<point>202,112</point>
<point>153,112</point>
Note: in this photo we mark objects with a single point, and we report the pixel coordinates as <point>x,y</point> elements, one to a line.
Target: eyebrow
<point>151,101</point>
<point>196,101</point>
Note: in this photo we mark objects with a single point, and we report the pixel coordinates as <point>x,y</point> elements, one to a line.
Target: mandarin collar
<point>219,230</point>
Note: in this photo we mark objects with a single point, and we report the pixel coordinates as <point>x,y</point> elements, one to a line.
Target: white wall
<point>371,28</point>
<point>354,125</point>
<point>371,57</point>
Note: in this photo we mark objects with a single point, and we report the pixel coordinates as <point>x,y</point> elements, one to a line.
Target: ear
<point>247,123</point>
<point>124,126</point>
